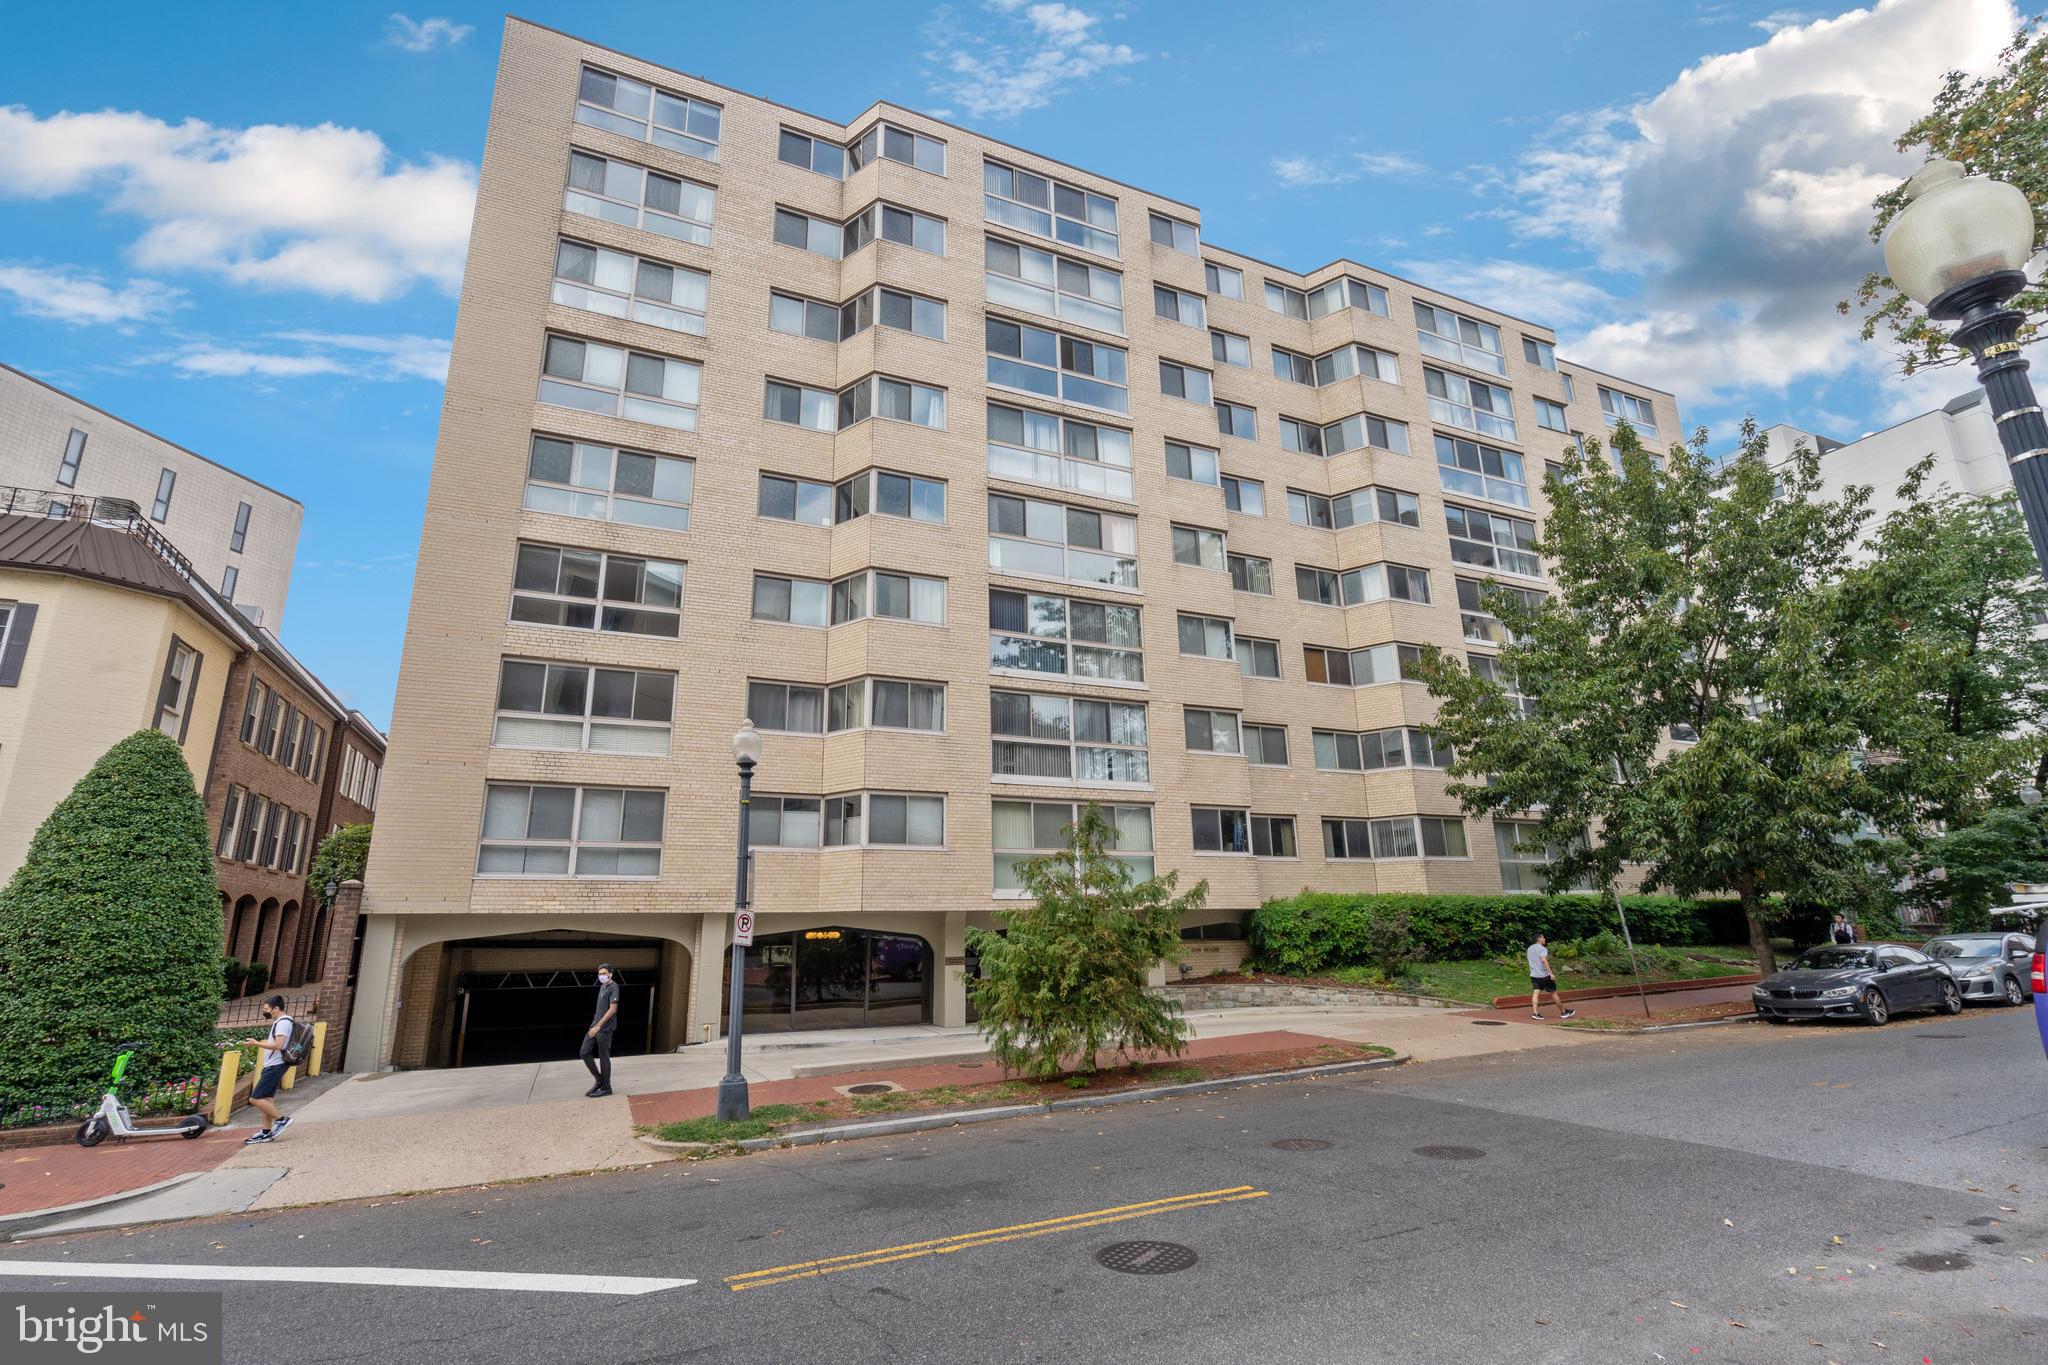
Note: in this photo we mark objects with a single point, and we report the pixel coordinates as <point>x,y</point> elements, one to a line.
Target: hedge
<point>1317,930</point>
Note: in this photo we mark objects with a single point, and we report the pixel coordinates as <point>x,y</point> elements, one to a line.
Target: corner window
<point>1175,234</point>
<point>1459,339</point>
<point>1057,366</point>
<point>1223,280</point>
<point>888,142</point>
<point>588,590</point>
<point>1053,540</point>
<point>811,154</point>
<point>1067,739</point>
<point>1048,208</point>
<point>1034,633</point>
<point>1058,452</point>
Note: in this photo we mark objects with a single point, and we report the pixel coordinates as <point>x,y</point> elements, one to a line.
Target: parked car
<point>2039,983</point>
<point>1991,967</point>
<point>1866,981</point>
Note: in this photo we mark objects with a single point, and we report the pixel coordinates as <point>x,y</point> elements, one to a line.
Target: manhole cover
<point>1438,1152</point>
<point>871,1088</point>
<point>1146,1258</point>
<point>1491,1023</point>
<point>1302,1145</point>
<point>1933,1262</point>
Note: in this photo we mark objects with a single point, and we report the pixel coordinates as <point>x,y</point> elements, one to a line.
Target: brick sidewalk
<point>51,1177</point>
<point>674,1105</point>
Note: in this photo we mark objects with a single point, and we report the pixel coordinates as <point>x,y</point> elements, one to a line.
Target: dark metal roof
<point>108,553</point>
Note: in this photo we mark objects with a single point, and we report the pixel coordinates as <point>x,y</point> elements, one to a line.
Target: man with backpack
<point>284,1047</point>
<point>1843,932</point>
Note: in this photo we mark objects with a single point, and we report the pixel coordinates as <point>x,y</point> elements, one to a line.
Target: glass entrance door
<point>835,978</point>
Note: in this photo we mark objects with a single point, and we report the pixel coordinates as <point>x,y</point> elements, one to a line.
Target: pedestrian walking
<point>1541,980</point>
<point>1843,932</point>
<point>597,1043</point>
<point>272,1070</point>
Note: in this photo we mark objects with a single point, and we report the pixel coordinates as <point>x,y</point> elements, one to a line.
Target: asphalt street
<point>1676,1198</point>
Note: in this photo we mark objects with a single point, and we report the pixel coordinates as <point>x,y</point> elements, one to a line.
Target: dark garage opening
<point>539,1016</point>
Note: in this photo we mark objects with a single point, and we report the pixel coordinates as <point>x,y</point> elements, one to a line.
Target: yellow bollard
<point>319,1048</point>
<point>291,1076</point>
<point>224,1093</point>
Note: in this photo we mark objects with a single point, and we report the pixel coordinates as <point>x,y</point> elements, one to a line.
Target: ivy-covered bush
<point>111,932</point>
<point>341,857</point>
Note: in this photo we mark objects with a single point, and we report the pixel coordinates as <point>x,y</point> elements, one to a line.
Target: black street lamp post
<point>732,1090</point>
<point>1959,247</point>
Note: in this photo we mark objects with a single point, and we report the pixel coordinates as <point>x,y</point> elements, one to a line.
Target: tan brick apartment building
<point>985,485</point>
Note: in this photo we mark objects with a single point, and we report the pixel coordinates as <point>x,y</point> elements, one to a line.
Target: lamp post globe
<point>733,1103</point>
<point>1960,247</point>
<point>2030,795</point>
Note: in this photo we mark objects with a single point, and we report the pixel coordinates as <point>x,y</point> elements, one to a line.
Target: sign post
<point>743,928</point>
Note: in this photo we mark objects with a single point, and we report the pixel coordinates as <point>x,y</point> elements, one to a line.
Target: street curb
<point>1671,1028</point>
<point>918,1123</point>
<point>13,1223</point>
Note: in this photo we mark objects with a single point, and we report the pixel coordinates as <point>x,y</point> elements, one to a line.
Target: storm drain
<point>869,1088</point>
<point>1933,1262</point>
<point>1146,1258</point>
<point>1440,1152</point>
<point>1302,1145</point>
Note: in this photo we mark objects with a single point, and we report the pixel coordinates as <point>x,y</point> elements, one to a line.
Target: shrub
<point>258,978</point>
<point>341,857</point>
<point>110,932</point>
<point>233,972</point>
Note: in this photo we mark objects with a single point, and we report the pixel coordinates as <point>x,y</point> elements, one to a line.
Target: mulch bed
<point>1696,1014</point>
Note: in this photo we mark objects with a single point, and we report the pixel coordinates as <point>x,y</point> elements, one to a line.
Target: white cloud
<point>79,297</point>
<point>1388,164</point>
<point>324,209</point>
<point>1781,19</point>
<point>411,357</point>
<point>424,35</point>
<point>1035,52</point>
<point>1553,297</point>
<point>1305,172</point>
<point>215,362</point>
<point>1739,195</point>
<point>354,356</point>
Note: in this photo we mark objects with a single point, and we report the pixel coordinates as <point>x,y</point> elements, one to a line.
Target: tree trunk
<point>1759,933</point>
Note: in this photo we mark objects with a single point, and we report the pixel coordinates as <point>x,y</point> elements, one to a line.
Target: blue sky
<point>245,231</point>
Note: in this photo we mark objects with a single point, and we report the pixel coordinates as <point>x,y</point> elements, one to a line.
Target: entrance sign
<point>743,928</point>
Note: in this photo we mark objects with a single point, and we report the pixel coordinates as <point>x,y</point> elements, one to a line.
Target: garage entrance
<point>530,999</point>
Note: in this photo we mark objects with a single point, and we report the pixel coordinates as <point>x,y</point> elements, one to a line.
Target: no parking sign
<point>743,928</point>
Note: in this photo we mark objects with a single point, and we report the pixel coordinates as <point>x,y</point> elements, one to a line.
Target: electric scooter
<point>113,1119</point>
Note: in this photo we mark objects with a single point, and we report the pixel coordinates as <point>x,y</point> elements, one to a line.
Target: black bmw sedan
<point>1870,982</point>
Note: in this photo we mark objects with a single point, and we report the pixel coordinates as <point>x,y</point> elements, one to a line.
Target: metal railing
<point>118,514</point>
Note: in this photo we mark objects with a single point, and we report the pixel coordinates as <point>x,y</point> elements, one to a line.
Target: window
<point>1492,541</point>
<point>784,822</point>
<point>1067,739</point>
<point>616,284</point>
<point>578,707</point>
<point>1024,830</point>
<point>1178,305</point>
<point>1056,366</point>
<point>1220,831</point>
<point>811,154</point>
<point>309,756</point>
<point>1036,281</point>
<point>1476,612</point>
<point>273,835</point>
<point>1059,452</point>
<point>1519,846</point>
<point>897,400</point>
<point>294,841</point>
<point>1228,348</point>
<point>230,821</point>
<point>229,579</point>
<point>1481,471</point>
<point>1235,419</point>
<point>1459,339</point>
<point>1407,836</point>
<point>1223,279</point>
<point>266,736</point>
<point>586,590</point>
<point>1198,548</point>
<point>1362,505</point>
<point>632,196</point>
<point>907,597</point>
<point>291,733</point>
<point>802,317</point>
<point>1184,381</point>
<point>239,537</point>
<point>1682,733</point>
<point>1172,232</point>
<point>890,143</point>
<point>1249,573</point>
<point>1196,464</point>
<point>891,820</point>
<point>893,308</point>
<point>174,694</point>
<point>797,500</point>
<point>74,451</point>
<point>1309,509</point>
<point>1551,416</point>
<point>611,380</point>
<point>582,479</point>
<point>1273,836</point>
<point>1286,299</point>
<point>1617,407</point>
<point>885,704</point>
<point>1304,438</point>
<point>790,708</point>
<point>1258,658</point>
<point>621,105</point>
<point>1366,667</point>
<point>1569,395</point>
<point>1354,433</point>
<point>887,494</point>
<point>819,236</point>
<point>890,223</point>
<point>1050,539</point>
<point>1346,292</point>
<point>249,839</point>
<point>1488,667</point>
<point>1343,751</point>
<point>1048,208</point>
<point>1206,637</point>
<point>1244,495</point>
<point>1370,583</point>
<point>1294,366</point>
<point>1467,403</point>
<point>799,406</point>
<point>1539,353</point>
<point>1212,732</point>
<point>165,482</point>
<point>1265,745</point>
<point>1032,633</point>
<point>1348,361</point>
<point>811,602</point>
<point>570,832</point>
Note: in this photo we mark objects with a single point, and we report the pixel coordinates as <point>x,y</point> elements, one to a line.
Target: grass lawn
<point>1478,980</point>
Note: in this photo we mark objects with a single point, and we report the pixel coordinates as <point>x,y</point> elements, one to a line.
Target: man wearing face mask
<point>597,1043</point>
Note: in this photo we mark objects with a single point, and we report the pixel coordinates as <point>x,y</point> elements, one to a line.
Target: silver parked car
<point>1991,968</point>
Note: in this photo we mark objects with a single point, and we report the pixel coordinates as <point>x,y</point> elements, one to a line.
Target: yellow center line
<point>830,1265</point>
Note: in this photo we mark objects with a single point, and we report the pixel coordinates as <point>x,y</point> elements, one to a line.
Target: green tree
<point>1971,869</point>
<point>111,932</point>
<point>341,857</point>
<point>1068,975</point>
<point>1994,125</point>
